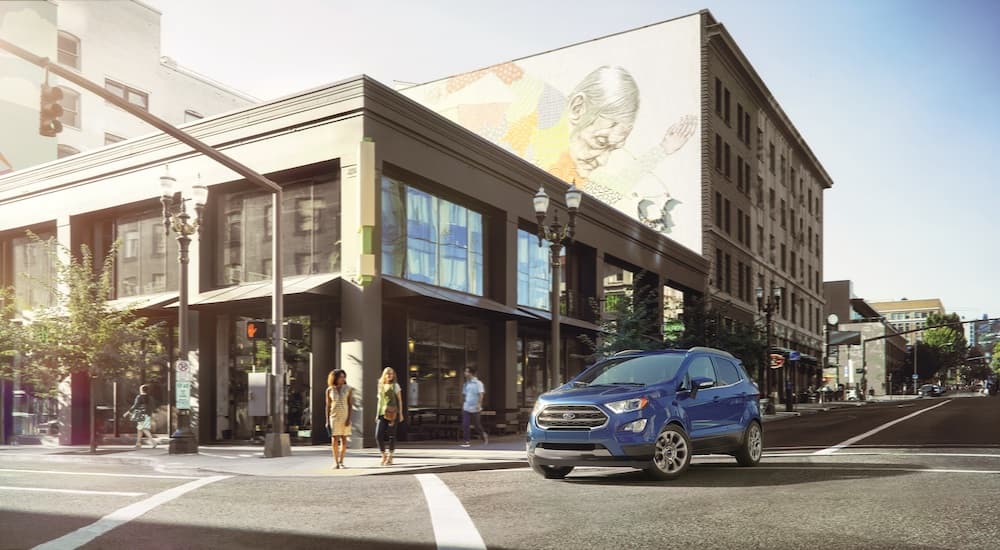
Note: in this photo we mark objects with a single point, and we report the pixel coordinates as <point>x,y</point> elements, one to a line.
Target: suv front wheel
<point>671,454</point>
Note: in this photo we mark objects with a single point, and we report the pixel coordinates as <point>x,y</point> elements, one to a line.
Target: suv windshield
<point>644,370</point>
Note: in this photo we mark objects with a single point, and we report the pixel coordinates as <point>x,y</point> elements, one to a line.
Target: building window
<point>784,263</point>
<point>729,274</point>
<point>436,359</point>
<point>793,264</point>
<point>718,96</point>
<point>718,268</point>
<point>728,168</point>
<point>431,240</point>
<point>69,50</point>
<point>33,271</point>
<point>760,239</point>
<point>147,262</point>
<point>739,120</point>
<point>770,158</point>
<point>136,97</point>
<point>191,116</point>
<point>110,138</point>
<point>746,127</point>
<point>63,150</point>
<point>739,225</point>
<point>71,108</point>
<point>746,220</point>
<point>728,219</point>
<point>534,274</point>
<point>739,172</point>
<point>310,226</point>
<point>726,106</point>
<point>718,152</point>
<point>718,209</point>
<point>739,280</point>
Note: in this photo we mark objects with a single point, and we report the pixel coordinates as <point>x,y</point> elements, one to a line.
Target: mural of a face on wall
<point>571,135</point>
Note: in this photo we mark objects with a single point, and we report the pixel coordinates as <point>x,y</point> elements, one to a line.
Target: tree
<point>945,337</point>
<point>705,326</point>
<point>11,342</point>
<point>628,321</point>
<point>82,333</point>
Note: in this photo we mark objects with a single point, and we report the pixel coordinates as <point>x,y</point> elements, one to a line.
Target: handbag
<point>390,413</point>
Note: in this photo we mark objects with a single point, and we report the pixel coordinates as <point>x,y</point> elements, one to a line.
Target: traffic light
<point>256,330</point>
<point>50,110</point>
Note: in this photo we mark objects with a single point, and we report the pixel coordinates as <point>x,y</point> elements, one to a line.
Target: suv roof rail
<point>713,350</point>
<point>626,352</point>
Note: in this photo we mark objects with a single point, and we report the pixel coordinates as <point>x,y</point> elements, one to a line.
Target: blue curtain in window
<point>421,236</point>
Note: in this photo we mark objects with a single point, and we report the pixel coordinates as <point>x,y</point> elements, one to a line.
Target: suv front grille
<point>571,417</point>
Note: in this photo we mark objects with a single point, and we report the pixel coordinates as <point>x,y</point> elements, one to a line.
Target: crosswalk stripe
<point>453,528</point>
<point>70,491</point>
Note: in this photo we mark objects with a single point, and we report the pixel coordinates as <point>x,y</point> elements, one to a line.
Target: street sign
<point>793,355</point>
<point>915,376</point>
<point>777,360</point>
<point>183,392</point>
<point>183,371</point>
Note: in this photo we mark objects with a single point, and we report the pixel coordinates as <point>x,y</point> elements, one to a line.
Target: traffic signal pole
<point>277,443</point>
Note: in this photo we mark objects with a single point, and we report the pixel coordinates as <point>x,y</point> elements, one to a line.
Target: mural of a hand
<point>678,134</point>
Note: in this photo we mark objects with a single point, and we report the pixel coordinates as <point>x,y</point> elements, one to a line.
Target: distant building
<point>878,369</point>
<point>907,315</point>
<point>116,44</point>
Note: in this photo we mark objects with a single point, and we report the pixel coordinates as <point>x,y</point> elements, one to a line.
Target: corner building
<point>671,125</point>
<point>409,241</point>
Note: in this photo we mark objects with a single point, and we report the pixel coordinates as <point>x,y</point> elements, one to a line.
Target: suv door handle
<point>716,398</point>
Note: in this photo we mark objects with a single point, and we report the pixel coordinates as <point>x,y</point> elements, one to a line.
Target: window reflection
<point>431,240</point>
<point>310,232</point>
<point>534,274</point>
<point>147,258</point>
<point>34,272</point>
<point>436,363</point>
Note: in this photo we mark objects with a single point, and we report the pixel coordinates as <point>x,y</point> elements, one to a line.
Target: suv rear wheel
<point>671,454</point>
<point>551,472</point>
<point>752,447</point>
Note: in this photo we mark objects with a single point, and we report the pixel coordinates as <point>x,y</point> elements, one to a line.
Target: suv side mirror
<point>700,383</point>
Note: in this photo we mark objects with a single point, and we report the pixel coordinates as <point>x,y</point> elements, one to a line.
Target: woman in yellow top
<point>339,404</point>
<point>389,413</point>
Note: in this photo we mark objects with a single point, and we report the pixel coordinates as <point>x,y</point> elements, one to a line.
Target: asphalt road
<point>930,481</point>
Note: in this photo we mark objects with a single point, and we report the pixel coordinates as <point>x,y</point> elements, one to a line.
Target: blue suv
<point>650,410</point>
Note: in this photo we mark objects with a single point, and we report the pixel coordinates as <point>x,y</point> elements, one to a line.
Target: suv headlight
<point>539,405</point>
<point>627,405</point>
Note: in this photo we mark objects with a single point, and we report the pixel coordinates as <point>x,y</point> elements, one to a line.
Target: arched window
<point>65,151</point>
<point>71,108</point>
<point>69,50</point>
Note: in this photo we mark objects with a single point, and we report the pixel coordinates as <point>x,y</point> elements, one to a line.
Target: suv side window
<point>700,367</point>
<point>728,374</point>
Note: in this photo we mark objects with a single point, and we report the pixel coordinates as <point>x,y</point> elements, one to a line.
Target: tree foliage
<point>11,333</point>
<point>629,321</point>
<point>946,340</point>
<point>82,333</point>
<point>707,326</point>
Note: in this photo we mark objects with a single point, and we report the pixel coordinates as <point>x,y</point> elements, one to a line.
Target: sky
<point>898,99</point>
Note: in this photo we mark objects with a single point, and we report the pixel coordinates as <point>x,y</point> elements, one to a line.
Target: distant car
<point>930,390</point>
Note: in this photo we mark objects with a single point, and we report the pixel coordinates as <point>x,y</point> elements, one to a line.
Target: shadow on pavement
<point>477,467</point>
<point>770,474</point>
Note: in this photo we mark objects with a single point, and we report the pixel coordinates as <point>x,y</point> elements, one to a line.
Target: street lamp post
<point>768,305</point>
<point>558,236</point>
<point>176,218</point>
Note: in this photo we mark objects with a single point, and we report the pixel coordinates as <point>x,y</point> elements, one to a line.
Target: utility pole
<point>277,442</point>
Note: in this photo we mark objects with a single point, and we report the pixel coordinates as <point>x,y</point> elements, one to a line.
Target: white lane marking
<point>884,453</point>
<point>70,491</point>
<point>869,433</point>
<point>122,516</point>
<point>101,474</point>
<point>453,528</point>
<point>202,453</point>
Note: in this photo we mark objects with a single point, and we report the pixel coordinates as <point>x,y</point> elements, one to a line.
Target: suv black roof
<point>696,349</point>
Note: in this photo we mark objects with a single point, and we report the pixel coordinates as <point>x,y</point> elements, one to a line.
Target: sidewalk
<point>433,456</point>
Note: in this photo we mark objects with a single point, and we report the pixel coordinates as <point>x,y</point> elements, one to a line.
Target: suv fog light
<point>636,426</point>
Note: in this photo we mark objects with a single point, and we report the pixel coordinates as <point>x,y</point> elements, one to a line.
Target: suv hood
<point>593,394</point>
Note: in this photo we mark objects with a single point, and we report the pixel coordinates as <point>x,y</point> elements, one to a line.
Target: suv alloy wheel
<point>671,454</point>
<point>752,447</point>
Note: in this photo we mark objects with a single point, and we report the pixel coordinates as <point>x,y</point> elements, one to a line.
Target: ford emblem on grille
<point>569,416</point>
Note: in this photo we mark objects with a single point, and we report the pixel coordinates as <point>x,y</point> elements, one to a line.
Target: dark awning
<point>395,288</point>
<point>145,302</point>
<point>845,338</point>
<point>543,315</point>
<point>258,294</point>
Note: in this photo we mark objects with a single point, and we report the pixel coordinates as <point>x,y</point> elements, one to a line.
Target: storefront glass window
<point>431,240</point>
<point>147,257</point>
<point>33,272</point>
<point>438,355</point>
<point>533,362</point>
<point>534,274</point>
<point>310,227</point>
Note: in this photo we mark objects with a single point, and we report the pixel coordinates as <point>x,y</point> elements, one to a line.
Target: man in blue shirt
<point>472,405</point>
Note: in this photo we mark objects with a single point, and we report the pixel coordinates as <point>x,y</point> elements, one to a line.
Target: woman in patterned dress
<point>339,404</point>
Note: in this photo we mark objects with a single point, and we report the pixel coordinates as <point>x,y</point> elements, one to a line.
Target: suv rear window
<point>645,370</point>
<point>726,371</point>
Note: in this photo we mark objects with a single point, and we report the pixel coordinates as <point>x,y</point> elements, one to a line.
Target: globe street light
<point>768,305</point>
<point>558,235</point>
<point>176,218</point>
